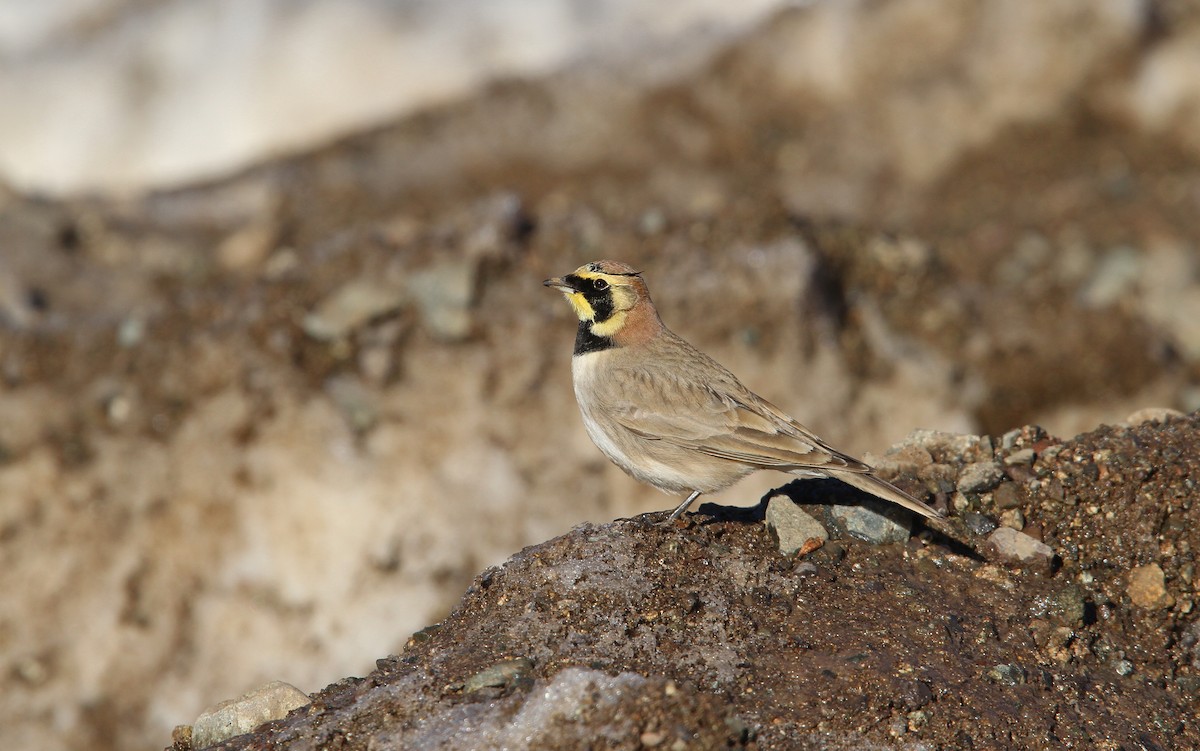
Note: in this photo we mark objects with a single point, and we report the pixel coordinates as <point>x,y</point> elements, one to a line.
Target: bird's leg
<point>682,507</point>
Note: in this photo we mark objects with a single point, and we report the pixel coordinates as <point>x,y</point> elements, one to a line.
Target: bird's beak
<point>560,283</point>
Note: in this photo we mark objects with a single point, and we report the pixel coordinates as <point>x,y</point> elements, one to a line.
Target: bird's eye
<point>599,284</point>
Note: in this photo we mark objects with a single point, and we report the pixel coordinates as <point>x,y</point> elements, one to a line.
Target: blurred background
<point>278,377</point>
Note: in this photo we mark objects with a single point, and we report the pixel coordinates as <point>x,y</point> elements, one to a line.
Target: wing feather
<point>717,416</point>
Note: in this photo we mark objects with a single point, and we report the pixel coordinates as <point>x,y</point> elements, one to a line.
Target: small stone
<point>1067,606</point>
<point>1006,675</point>
<point>1012,518</point>
<point>131,332</point>
<point>914,694</point>
<point>358,405</point>
<point>247,248</point>
<point>444,294</point>
<point>351,306</point>
<point>506,673</point>
<point>871,520</point>
<point>1022,458</point>
<point>977,523</point>
<point>1123,667</point>
<point>1114,277</point>
<point>241,715</point>
<point>1012,546</point>
<point>917,720</point>
<point>1147,587</point>
<point>181,738</point>
<point>652,222</point>
<point>1007,495</point>
<point>1152,414</point>
<point>980,477</point>
<point>791,526</point>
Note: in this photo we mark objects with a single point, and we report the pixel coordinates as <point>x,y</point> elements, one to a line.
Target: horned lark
<point>670,415</point>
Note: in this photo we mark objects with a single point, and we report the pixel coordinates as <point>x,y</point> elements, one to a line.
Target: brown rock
<point>1148,588</point>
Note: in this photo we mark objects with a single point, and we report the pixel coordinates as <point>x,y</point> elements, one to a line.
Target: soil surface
<point>702,635</point>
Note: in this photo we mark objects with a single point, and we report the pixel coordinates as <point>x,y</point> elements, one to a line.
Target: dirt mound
<point>632,635</point>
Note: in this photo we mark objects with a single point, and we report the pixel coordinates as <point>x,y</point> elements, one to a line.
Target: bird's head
<point>602,293</point>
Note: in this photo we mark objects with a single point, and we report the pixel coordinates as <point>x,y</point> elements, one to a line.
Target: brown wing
<point>691,401</point>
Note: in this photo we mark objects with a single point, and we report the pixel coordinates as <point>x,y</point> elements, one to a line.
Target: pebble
<point>873,521</point>
<point>506,673</point>
<point>1152,414</point>
<point>358,405</point>
<point>241,715</point>
<point>1024,457</point>
<point>1113,277</point>
<point>1067,606</point>
<point>247,248</point>
<point>1008,675</point>
<point>131,332</point>
<point>349,307</point>
<point>444,294</point>
<point>791,526</point>
<point>977,523</point>
<point>1012,546</point>
<point>1007,496</point>
<point>980,477</point>
<point>1147,587</point>
<point>1012,518</point>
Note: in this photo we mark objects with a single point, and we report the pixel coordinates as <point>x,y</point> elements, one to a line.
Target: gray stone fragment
<point>1007,496</point>
<point>977,523</point>
<point>445,293</point>
<point>874,521</point>
<point>1068,607</point>
<point>1006,674</point>
<point>241,715</point>
<point>503,673</point>
<point>350,306</point>
<point>1017,547</point>
<point>791,526</point>
<point>1022,458</point>
<point>980,477</point>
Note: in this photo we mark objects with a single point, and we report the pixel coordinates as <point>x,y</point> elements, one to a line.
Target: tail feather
<point>881,488</point>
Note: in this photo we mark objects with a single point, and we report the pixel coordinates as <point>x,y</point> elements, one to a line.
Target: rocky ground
<point>703,635</point>
<point>269,427</point>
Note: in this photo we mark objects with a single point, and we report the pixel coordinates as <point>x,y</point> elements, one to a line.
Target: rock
<point>946,447</point>
<point>247,248</point>
<point>1147,587</point>
<point>1022,458</point>
<point>977,523</point>
<point>1012,546</point>
<point>1006,675</point>
<point>791,526</point>
<point>357,403</point>
<point>1152,414</point>
<point>350,306</point>
<point>1067,607</point>
<point>444,294</point>
<point>1191,641</point>
<point>1012,518</point>
<point>980,477</point>
<point>131,332</point>
<point>1007,496</point>
<point>241,715</point>
<point>1114,277</point>
<point>871,520</point>
<point>506,673</point>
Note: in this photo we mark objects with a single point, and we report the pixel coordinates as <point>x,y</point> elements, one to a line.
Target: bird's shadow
<point>816,495</point>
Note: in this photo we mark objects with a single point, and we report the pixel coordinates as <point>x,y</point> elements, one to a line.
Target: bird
<point>674,418</point>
